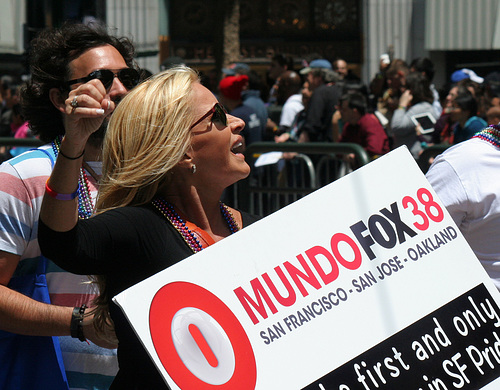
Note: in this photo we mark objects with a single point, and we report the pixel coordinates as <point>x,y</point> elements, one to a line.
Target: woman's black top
<point>126,245</point>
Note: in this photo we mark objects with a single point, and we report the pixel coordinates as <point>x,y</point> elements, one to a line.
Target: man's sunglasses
<point>129,77</point>
<point>219,115</point>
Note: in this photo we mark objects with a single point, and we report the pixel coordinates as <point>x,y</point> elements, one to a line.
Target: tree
<point>228,37</point>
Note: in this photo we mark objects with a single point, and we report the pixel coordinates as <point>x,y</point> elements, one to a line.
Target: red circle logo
<point>199,341</point>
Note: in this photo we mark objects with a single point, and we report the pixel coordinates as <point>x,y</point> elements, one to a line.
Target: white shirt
<point>291,108</point>
<point>466,178</point>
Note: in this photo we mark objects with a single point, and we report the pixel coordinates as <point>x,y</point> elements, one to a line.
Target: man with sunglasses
<point>78,75</point>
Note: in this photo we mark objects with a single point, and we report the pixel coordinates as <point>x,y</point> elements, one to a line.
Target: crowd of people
<point>304,103</point>
<point>160,153</point>
<point>293,103</point>
<point>12,121</point>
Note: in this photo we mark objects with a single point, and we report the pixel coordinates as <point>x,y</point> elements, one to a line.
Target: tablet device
<point>426,122</point>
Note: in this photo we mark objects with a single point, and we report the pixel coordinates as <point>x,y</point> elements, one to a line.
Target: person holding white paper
<point>169,153</point>
<point>416,99</point>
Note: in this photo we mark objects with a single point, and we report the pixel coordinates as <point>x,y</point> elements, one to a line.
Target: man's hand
<point>282,138</point>
<point>350,158</point>
<point>105,340</point>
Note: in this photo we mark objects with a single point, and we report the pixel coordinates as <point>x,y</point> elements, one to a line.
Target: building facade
<point>20,20</point>
<point>453,33</point>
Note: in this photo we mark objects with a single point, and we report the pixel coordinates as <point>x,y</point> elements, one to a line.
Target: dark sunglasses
<point>219,115</point>
<point>129,77</point>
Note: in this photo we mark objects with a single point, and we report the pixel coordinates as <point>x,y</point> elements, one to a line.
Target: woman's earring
<point>193,168</point>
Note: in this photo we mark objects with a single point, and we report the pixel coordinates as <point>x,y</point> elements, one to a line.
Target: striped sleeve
<point>21,191</point>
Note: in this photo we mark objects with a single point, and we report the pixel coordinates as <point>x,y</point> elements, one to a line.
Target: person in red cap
<point>230,89</point>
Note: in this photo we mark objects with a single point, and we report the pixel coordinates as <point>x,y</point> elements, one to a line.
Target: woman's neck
<point>203,211</point>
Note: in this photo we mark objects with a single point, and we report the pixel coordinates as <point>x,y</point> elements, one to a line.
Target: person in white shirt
<point>465,179</point>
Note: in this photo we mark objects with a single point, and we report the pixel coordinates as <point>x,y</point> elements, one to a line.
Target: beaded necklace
<point>491,134</point>
<point>168,211</point>
<point>85,204</point>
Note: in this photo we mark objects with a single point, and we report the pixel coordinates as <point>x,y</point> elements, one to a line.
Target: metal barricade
<point>330,168</point>
<point>313,165</point>
<point>7,143</point>
<point>27,142</point>
<point>276,185</point>
<point>271,187</point>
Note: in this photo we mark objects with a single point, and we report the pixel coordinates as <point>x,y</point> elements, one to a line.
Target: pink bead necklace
<point>168,211</point>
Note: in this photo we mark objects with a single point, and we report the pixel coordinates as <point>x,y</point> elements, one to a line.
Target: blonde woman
<point>168,156</point>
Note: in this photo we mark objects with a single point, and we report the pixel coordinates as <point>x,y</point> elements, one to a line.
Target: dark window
<point>330,28</point>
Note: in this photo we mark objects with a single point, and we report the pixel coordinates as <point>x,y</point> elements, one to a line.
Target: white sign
<point>365,284</point>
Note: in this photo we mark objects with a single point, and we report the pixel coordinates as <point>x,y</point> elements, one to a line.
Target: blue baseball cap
<point>317,64</point>
<point>465,73</point>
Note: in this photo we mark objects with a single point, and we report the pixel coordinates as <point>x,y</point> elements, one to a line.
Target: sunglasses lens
<point>129,77</point>
<point>219,115</point>
<point>104,75</point>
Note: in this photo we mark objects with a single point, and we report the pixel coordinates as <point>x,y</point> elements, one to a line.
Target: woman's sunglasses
<point>129,77</point>
<point>219,115</point>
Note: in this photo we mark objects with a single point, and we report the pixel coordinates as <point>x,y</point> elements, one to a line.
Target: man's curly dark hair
<point>49,57</point>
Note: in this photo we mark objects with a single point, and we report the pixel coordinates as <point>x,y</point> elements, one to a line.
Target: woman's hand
<point>86,108</point>
<point>405,99</point>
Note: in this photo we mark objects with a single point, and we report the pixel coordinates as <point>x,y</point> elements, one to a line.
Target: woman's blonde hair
<point>148,134</point>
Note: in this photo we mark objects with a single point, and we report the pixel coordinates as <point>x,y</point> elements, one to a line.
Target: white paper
<point>268,158</point>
